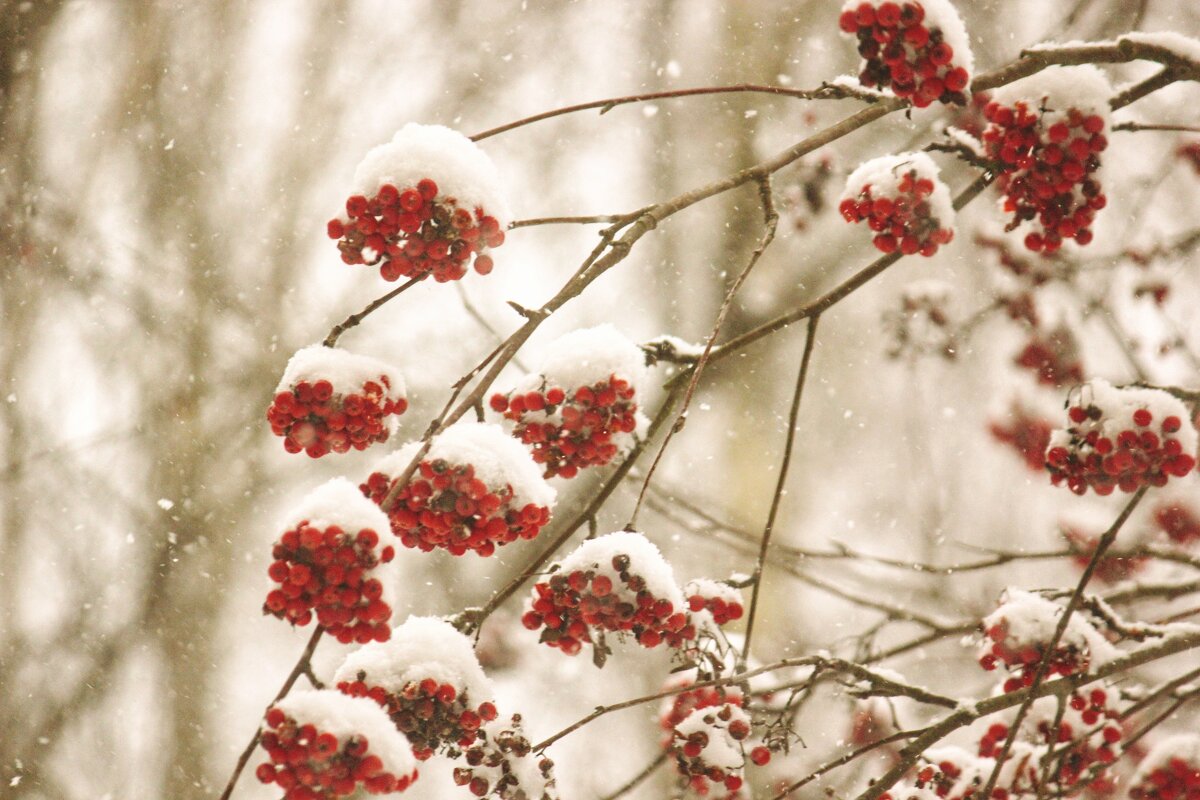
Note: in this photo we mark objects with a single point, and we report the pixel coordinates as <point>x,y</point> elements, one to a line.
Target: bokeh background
<point>166,170</point>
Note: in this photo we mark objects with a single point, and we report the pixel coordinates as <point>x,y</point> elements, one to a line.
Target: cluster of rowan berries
<point>942,778</point>
<point>1022,658</point>
<point>1088,455</point>
<point>1053,357</point>
<point>413,232</point>
<point>707,747</point>
<point>492,766</point>
<point>1178,522</point>
<point>446,506</point>
<point>907,52</point>
<point>1173,772</point>
<point>1025,432</point>
<point>1109,569</point>
<point>1048,173</point>
<point>311,764</point>
<point>567,607</point>
<point>903,221</point>
<point>434,716</point>
<point>722,610</point>
<point>328,572</point>
<point>570,429</point>
<point>312,417</point>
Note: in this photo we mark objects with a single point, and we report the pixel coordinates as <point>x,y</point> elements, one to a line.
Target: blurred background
<point>166,171</point>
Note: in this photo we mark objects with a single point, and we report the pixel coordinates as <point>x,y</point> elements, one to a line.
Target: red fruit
<point>760,755</point>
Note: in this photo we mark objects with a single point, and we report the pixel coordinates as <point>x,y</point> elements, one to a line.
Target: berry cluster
<point>1179,523</point>
<point>1022,656</point>
<point>312,764</point>
<point>493,766</point>
<point>413,232</point>
<point>312,417</point>
<point>708,748</point>
<point>902,220</point>
<point>1109,569</point>
<point>1048,171</point>
<point>570,429</point>
<point>570,605</point>
<point>1053,357</point>
<point>1027,433</point>
<point>328,571</point>
<point>434,716</point>
<point>723,610</point>
<point>677,708</point>
<point>1090,453</point>
<point>446,506</point>
<point>907,52</point>
<point>1171,771</point>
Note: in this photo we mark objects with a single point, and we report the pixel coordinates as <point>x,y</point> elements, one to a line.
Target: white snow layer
<point>420,648</point>
<point>708,588</point>
<point>644,559</point>
<point>338,502</point>
<point>1184,746</point>
<point>345,370</point>
<point>332,712</point>
<point>1060,89</point>
<point>460,169</point>
<point>499,460</point>
<point>590,355</point>
<point>1032,620</point>
<point>884,174</point>
<point>1117,406</point>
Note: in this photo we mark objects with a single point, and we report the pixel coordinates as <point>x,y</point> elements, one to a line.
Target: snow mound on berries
<point>333,712</point>
<point>498,458</point>
<point>1184,746</point>
<point>590,355</point>
<point>421,647</point>
<point>1118,406</point>
<point>530,781</point>
<point>1032,620</point>
<point>722,750</point>
<point>884,174</point>
<point>1179,44</point>
<point>1059,89</point>
<point>940,14</point>
<point>338,502</point>
<point>345,370</point>
<point>644,559</point>
<point>455,163</point>
<point>707,587</point>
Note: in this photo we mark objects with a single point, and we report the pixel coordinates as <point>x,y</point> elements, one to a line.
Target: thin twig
<point>354,319</point>
<point>636,780</point>
<point>780,483</point>
<point>299,669</point>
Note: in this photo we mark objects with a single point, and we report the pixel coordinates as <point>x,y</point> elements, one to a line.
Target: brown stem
<point>353,320</point>
<point>824,93</point>
<point>781,481</point>
<point>301,667</point>
<point>636,780</point>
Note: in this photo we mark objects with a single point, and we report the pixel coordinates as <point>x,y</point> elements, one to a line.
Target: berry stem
<point>770,222</point>
<point>1073,604</point>
<point>769,527</point>
<point>637,780</point>
<point>302,667</point>
<point>823,93</point>
<point>354,319</point>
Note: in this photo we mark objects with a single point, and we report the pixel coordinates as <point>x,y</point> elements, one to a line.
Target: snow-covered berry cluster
<point>323,745</point>
<point>919,50</point>
<point>428,680</point>
<point>618,583</point>
<point>722,601</point>
<point>426,204</point>
<point>580,409</point>
<point>1047,134</point>
<point>1025,431</point>
<point>1170,771</point>
<point>708,746</point>
<point>475,490</point>
<point>903,201</point>
<point>330,401</point>
<point>1121,439</point>
<point>502,764</point>
<point>329,563</point>
<point>1018,632</point>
